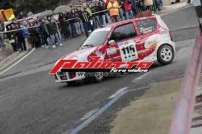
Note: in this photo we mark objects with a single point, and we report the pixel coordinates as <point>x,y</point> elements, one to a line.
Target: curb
<point>14,62</point>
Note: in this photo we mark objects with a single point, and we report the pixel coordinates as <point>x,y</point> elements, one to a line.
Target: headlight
<point>57,61</point>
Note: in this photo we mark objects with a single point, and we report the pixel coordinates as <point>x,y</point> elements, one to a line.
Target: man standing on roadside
<point>128,9</point>
<point>148,4</point>
<point>23,35</point>
<point>113,8</point>
<point>85,18</point>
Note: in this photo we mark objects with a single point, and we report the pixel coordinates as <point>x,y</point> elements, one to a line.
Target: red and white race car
<point>138,39</point>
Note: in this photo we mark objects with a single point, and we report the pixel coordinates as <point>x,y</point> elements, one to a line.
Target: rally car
<point>139,39</point>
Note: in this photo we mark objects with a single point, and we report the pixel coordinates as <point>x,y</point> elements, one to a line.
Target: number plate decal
<point>128,50</point>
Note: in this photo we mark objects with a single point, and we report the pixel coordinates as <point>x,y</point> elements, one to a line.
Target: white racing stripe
<point>7,69</point>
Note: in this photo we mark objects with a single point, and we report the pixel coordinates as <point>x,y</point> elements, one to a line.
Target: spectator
<point>102,14</point>
<point>26,34</point>
<point>21,40</point>
<point>63,26</point>
<point>80,21</point>
<point>121,10</point>
<point>159,4</point>
<point>35,36</point>
<point>54,36</point>
<point>23,35</point>
<point>72,23</point>
<point>113,7</point>
<point>90,14</point>
<point>2,27</point>
<point>148,4</point>
<point>77,22</point>
<point>44,33</point>
<point>85,18</point>
<point>67,21</point>
<point>96,16</point>
<point>11,37</point>
<point>128,9</point>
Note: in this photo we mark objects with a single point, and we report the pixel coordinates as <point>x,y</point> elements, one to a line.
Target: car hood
<point>81,54</point>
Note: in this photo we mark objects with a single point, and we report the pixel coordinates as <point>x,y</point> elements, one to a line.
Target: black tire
<point>71,83</point>
<point>165,54</point>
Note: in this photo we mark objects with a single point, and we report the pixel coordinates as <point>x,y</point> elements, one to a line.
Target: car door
<point>124,37</point>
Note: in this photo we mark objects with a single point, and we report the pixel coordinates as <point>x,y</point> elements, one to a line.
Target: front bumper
<point>61,77</point>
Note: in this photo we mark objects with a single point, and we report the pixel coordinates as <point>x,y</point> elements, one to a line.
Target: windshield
<point>96,38</point>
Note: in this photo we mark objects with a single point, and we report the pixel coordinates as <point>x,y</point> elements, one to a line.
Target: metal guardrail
<point>94,13</point>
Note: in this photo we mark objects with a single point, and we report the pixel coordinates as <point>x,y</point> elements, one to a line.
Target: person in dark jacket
<point>103,9</point>
<point>85,18</point>
<point>63,26</point>
<point>72,23</point>
<point>23,35</point>
<point>52,28</point>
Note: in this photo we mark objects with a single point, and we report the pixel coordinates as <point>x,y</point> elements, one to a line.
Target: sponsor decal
<point>101,66</point>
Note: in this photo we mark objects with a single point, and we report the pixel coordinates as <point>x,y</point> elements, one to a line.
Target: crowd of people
<point>51,30</point>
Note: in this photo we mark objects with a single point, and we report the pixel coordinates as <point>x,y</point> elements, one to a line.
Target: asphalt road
<point>32,103</point>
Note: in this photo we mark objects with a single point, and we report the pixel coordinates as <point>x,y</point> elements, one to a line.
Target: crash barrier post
<point>182,118</point>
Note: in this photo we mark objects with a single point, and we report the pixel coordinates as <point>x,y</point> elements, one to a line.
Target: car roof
<point>113,25</point>
<point>129,20</point>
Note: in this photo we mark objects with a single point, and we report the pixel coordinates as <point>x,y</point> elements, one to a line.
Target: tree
<point>38,5</point>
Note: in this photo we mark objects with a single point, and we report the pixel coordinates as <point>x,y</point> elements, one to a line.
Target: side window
<point>147,26</point>
<point>123,32</point>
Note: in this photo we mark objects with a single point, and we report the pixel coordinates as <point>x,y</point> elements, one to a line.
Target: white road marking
<point>10,67</point>
<point>89,114</point>
<point>118,92</point>
<point>97,114</point>
<point>141,76</point>
<point>138,89</point>
<point>94,114</point>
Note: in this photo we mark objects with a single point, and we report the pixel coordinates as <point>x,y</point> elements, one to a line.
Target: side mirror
<point>111,42</point>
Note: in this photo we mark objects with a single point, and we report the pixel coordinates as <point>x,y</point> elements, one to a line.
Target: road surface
<point>32,103</point>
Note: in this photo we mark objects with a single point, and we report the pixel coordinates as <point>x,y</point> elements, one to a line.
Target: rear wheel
<point>165,54</point>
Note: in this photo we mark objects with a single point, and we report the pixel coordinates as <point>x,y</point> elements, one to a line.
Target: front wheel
<point>99,76</point>
<point>165,54</point>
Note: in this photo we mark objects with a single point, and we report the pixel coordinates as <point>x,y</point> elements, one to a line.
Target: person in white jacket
<point>148,4</point>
